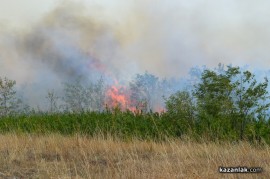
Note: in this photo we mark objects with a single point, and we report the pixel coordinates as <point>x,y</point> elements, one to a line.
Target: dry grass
<point>55,156</point>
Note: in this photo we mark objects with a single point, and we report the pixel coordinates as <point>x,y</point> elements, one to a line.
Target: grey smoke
<point>166,38</point>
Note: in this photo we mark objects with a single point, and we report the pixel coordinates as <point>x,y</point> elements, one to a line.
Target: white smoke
<point>100,38</point>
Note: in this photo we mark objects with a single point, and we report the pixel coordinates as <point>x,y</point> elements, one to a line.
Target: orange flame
<point>118,96</point>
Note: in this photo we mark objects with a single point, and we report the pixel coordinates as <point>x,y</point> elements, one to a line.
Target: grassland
<point>125,125</point>
<point>128,125</point>
<point>58,156</point>
<point>116,144</point>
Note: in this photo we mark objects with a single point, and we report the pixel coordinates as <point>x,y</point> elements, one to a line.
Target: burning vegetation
<point>227,103</point>
<point>118,96</point>
<point>128,98</point>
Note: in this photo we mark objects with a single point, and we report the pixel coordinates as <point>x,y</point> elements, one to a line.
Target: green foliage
<point>232,99</point>
<point>225,104</point>
<point>228,104</point>
<point>9,103</point>
<point>181,110</point>
<point>125,125</point>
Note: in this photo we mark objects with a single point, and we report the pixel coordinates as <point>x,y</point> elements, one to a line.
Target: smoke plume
<point>89,40</point>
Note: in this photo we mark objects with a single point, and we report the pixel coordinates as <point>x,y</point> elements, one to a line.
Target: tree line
<point>145,92</point>
<point>224,103</point>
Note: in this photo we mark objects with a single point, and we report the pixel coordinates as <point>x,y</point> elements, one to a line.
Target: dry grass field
<point>56,156</point>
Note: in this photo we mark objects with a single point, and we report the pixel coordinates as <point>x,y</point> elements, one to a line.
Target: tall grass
<point>116,123</point>
<point>125,125</point>
<point>58,156</point>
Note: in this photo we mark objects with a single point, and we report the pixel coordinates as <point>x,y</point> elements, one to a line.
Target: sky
<point>18,13</point>
<point>55,40</point>
<point>185,33</point>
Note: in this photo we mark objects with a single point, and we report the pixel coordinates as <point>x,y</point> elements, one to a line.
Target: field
<point>58,156</point>
<point>117,144</point>
<point>132,89</point>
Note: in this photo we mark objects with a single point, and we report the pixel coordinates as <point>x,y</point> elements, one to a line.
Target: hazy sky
<point>46,42</point>
<point>163,37</point>
<point>16,12</point>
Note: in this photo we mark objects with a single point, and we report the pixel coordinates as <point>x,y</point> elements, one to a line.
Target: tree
<point>230,99</point>
<point>79,97</point>
<point>52,99</point>
<point>250,98</point>
<point>143,90</point>
<point>181,109</point>
<point>98,95</point>
<point>8,100</point>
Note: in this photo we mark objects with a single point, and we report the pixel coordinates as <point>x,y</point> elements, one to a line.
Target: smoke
<point>88,40</point>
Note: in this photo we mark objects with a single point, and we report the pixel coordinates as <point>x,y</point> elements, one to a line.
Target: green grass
<point>125,125</point>
<point>121,124</point>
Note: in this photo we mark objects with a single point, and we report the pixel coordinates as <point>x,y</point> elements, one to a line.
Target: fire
<point>118,96</point>
<point>159,109</point>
